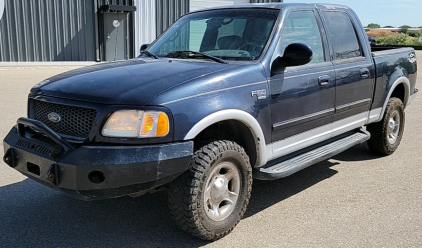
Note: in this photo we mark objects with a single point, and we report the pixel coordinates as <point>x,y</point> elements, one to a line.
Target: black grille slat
<point>75,121</point>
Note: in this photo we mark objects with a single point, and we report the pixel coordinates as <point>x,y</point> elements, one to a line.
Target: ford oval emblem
<point>54,117</point>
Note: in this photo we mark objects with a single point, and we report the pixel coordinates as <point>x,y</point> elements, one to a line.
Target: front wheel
<point>386,134</point>
<point>210,198</point>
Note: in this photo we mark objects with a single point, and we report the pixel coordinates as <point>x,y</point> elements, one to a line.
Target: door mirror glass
<point>295,54</point>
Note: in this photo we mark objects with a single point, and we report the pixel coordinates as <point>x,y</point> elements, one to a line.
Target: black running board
<point>288,165</point>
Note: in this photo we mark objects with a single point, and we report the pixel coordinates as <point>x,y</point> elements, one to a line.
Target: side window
<point>343,35</point>
<point>302,27</point>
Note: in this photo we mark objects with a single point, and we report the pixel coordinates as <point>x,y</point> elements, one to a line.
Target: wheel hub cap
<point>393,127</point>
<point>222,191</point>
<point>219,189</point>
<point>391,124</point>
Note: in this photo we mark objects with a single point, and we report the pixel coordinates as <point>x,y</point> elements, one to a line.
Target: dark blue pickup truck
<point>223,96</point>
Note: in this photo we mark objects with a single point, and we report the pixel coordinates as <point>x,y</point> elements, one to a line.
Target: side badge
<point>261,94</point>
<point>412,58</point>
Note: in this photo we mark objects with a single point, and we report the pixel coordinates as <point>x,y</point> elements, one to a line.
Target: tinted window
<point>343,35</point>
<point>302,27</point>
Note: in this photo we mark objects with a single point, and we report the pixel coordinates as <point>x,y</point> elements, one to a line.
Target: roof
<point>277,6</point>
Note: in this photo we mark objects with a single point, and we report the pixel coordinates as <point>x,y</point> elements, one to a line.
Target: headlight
<point>137,124</point>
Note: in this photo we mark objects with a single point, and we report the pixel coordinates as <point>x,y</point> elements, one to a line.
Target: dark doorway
<point>116,36</point>
<point>116,29</point>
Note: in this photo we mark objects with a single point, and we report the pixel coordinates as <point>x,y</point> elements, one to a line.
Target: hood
<point>131,82</point>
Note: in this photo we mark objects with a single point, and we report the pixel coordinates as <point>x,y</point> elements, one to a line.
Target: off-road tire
<point>381,141</point>
<point>188,193</point>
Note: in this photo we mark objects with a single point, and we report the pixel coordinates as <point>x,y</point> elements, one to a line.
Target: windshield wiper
<point>150,54</point>
<point>199,53</point>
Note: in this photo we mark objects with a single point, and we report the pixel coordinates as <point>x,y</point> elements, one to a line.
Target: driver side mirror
<point>143,47</point>
<point>295,54</point>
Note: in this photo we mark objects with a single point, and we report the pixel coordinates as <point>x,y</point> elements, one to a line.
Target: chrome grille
<point>75,121</point>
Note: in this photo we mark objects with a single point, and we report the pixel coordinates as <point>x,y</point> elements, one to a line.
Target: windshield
<point>229,34</point>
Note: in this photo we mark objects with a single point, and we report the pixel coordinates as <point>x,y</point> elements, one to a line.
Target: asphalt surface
<point>355,199</point>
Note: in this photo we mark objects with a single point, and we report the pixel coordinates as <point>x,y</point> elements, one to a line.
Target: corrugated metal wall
<point>48,30</point>
<point>145,23</point>
<point>168,11</point>
<point>1,8</point>
<point>203,4</point>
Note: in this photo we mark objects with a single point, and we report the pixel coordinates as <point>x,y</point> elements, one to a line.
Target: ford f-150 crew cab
<point>223,96</point>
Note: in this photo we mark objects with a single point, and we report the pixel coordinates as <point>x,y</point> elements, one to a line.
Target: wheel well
<point>399,92</point>
<point>229,130</point>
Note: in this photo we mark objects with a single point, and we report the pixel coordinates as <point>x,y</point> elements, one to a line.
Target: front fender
<point>239,115</point>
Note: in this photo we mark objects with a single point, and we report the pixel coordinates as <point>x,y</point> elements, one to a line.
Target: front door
<point>303,97</point>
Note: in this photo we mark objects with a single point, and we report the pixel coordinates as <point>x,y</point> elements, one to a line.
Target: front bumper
<point>92,172</point>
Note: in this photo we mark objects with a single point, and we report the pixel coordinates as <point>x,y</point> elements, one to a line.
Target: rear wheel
<point>210,198</point>
<point>387,134</point>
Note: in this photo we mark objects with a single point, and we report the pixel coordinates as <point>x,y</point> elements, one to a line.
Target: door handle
<point>364,73</point>
<point>324,80</point>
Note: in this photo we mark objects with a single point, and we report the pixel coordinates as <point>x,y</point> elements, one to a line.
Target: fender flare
<point>401,80</point>
<point>239,115</point>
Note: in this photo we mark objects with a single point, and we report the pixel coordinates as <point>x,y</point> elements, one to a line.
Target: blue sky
<point>384,12</point>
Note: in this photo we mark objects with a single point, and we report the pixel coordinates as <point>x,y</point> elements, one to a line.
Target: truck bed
<point>393,65</point>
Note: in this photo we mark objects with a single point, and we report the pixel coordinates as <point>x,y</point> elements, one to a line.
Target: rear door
<point>302,98</point>
<point>354,71</point>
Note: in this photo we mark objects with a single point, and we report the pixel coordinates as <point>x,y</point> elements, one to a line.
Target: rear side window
<point>343,35</point>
